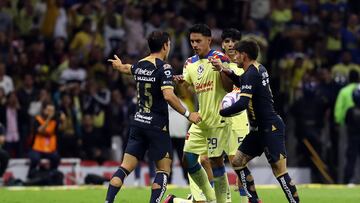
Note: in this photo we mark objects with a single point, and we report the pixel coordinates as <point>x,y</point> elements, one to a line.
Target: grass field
<point>96,194</point>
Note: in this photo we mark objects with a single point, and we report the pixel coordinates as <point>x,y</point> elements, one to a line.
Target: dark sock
<point>248,184</point>
<point>112,190</point>
<point>160,183</point>
<point>289,188</point>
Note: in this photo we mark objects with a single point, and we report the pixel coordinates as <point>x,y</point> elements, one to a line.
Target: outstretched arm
<point>225,74</point>
<point>175,103</point>
<point>118,65</point>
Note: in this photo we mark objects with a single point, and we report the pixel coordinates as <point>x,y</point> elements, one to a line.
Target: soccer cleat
<point>169,198</point>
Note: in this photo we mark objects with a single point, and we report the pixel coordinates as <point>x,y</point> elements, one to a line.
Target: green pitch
<point>88,194</point>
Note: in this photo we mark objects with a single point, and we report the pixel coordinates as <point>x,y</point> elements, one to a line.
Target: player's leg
<point>281,174</point>
<point>127,166</point>
<point>134,151</point>
<point>218,139</point>
<point>251,146</point>
<point>160,149</point>
<point>196,144</point>
<point>276,155</point>
<point>237,136</point>
<point>158,188</point>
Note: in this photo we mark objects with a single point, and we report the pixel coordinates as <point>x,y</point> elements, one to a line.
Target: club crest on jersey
<point>200,70</point>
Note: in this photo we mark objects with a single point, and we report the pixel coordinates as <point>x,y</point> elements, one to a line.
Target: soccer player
<point>149,129</point>
<point>239,130</point>
<point>211,136</point>
<point>240,124</point>
<point>267,130</point>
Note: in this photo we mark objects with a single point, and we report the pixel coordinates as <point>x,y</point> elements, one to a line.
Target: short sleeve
<point>167,77</point>
<point>248,82</point>
<point>186,74</point>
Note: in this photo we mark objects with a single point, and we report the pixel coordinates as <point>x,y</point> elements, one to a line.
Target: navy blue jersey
<point>254,83</point>
<point>152,75</point>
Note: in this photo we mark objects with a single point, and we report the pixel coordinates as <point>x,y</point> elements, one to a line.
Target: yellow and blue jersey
<point>240,121</point>
<point>208,88</point>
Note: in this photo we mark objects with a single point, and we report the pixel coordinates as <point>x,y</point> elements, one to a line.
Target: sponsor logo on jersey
<point>167,66</point>
<point>246,87</point>
<point>204,87</point>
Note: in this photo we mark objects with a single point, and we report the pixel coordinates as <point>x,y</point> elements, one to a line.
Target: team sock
<point>289,188</point>
<point>159,187</point>
<point>220,184</point>
<point>247,181</point>
<point>198,174</point>
<point>121,173</point>
<point>243,196</point>
<point>228,190</point>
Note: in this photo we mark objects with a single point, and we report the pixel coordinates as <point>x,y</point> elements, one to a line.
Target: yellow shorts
<point>235,140</point>
<point>212,142</point>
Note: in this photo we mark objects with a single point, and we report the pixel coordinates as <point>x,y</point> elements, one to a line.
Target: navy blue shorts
<point>270,140</point>
<point>157,142</point>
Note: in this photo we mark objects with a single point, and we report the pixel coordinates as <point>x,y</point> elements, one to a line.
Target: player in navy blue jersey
<point>267,130</point>
<point>149,128</point>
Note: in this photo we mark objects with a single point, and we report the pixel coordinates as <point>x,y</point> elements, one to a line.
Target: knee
<point>237,162</point>
<point>204,160</point>
<point>116,182</point>
<point>190,159</point>
<point>217,162</point>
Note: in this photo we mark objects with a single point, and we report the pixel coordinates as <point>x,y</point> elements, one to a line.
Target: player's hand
<point>116,63</point>
<point>217,64</point>
<point>178,78</point>
<point>195,117</point>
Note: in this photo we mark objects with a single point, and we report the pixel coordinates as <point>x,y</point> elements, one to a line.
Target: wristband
<point>187,114</point>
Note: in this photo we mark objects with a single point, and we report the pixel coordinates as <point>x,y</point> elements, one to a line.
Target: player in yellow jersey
<point>238,131</point>
<point>211,136</point>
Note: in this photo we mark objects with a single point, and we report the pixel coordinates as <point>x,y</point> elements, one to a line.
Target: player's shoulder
<point>191,60</point>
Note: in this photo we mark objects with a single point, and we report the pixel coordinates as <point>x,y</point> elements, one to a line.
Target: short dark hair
<point>251,48</point>
<point>201,29</point>
<point>156,40</point>
<point>231,33</point>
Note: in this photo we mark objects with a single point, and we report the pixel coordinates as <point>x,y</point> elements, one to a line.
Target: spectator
<point>10,117</point>
<point>26,94</point>
<point>341,70</point>
<point>6,82</point>
<point>4,156</point>
<point>74,72</point>
<point>352,121</point>
<point>47,125</point>
<point>93,143</point>
<point>69,138</point>
<point>344,100</point>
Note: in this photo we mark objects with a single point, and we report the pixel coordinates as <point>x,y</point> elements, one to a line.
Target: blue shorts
<point>157,142</point>
<point>270,140</point>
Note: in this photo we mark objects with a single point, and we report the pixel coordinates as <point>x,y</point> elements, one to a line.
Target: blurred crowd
<point>56,51</point>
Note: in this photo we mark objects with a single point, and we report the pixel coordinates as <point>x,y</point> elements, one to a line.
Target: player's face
<point>167,47</point>
<point>200,43</point>
<point>239,58</point>
<point>228,46</point>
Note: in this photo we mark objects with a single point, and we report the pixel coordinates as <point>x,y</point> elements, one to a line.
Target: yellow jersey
<point>209,90</point>
<point>239,122</point>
